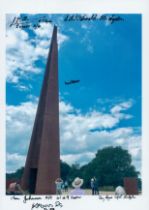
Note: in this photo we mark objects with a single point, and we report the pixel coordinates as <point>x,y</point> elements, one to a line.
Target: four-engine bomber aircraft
<point>71,82</point>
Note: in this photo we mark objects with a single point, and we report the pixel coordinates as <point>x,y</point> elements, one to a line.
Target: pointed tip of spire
<point>55,28</point>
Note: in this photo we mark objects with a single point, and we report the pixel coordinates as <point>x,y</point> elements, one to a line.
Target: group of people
<point>76,184</point>
<point>62,187</point>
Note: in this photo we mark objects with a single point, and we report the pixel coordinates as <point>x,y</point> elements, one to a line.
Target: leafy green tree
<point>65,170</point>
<point>74,172</point>
<point>110,166</point>
<point>16,175</point>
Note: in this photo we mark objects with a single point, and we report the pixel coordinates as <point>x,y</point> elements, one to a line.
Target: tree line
<point>110,166</point>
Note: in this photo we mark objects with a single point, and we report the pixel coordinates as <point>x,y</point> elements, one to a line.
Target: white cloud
<point>65,108</point>
<point>19,126</point>
<point>45,30</point>
<point>20,56</point>
<point>15,157</point>
<point>82,158</point>
<point>23,88</point>
<point>23,50</point>
<point>122,107</point>
<point>14,160</point>
<point>77,142</point>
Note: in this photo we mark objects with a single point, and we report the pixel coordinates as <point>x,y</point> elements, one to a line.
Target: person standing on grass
<point>92,186</point>
<point>119,192</point>
<point>77,183</point>
<point>66,186</point>
<point>59,183</point>
<point>96,190</point>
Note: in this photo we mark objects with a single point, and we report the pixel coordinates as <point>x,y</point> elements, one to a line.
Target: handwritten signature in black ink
<point>42,206</point>
<point>30,197</point>
<point>94,17</point>
<point>26,22</point>
<point>108,197</point>
<point>46,206</point>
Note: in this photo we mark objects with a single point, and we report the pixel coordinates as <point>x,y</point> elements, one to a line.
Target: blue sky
<point>104,109</point>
